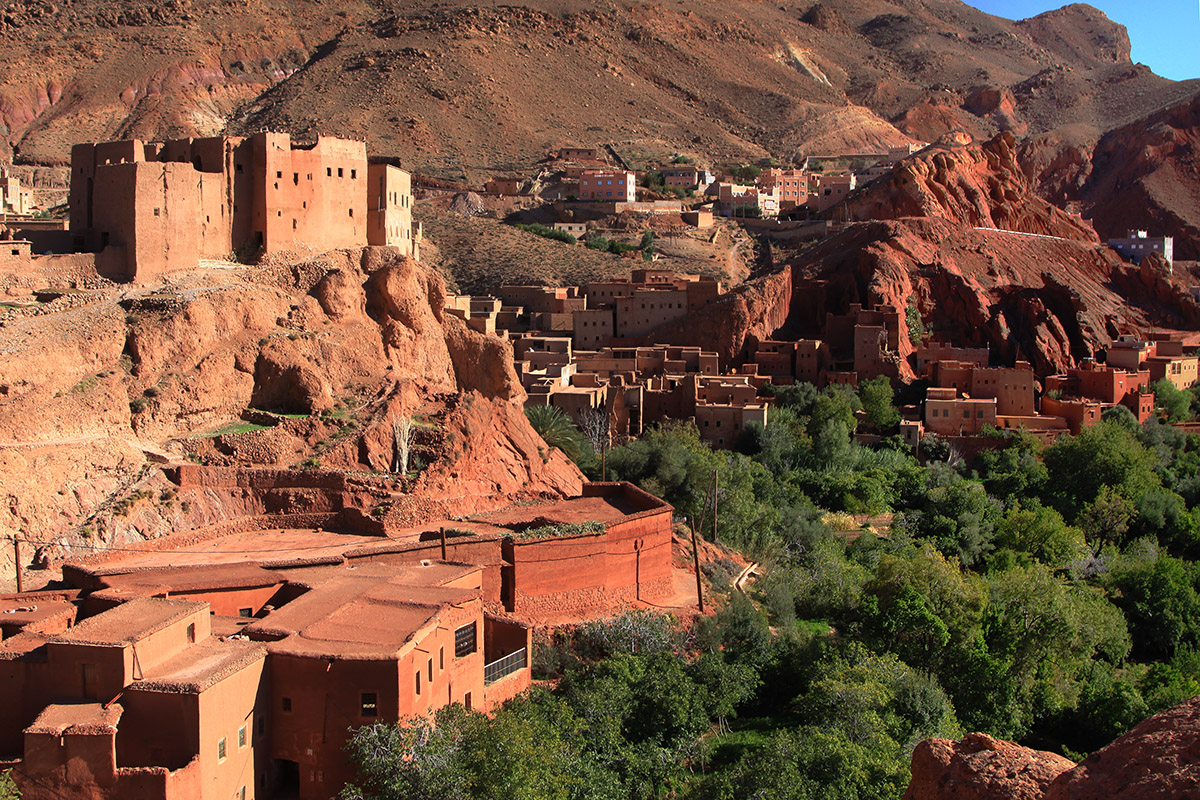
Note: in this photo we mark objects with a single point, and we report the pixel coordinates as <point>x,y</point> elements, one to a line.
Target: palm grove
<point>1046,595</point>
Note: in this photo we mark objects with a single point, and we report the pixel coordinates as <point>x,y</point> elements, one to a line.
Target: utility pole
<point>443,530</point>
<point>17,563</point>
<point>696,562</point>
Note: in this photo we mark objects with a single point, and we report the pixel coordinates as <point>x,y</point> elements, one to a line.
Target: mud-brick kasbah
<point>234,660</point>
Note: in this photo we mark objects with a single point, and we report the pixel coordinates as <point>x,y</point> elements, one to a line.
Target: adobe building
<point>734,200</point>
<point>608,185</point>
<point>791,185</point>
<point>947,414</point>
<point>579,154</point>
<point>1101,384</point>
<point>264,646</point>
<point>1139,244</point>
<point>13,198</point>
<point>162,206</point>
<point>1162,356</point>
<point>686,178</point>
<point>826,191</point>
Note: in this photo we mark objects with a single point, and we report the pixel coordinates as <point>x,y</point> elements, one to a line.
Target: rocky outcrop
<point>1046,300</point>
<point>978,186</point>
<point>981,768</point>
<point>1157,760</point>
<point>354,340</point>
<point>750,313</point>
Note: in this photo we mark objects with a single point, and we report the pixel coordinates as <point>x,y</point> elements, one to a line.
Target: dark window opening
<point>464,640</point>
<point>370,704</point>
<point>245,612</point>
<point>287,704</point>
<point>418,683</point>
<point>191,632</point>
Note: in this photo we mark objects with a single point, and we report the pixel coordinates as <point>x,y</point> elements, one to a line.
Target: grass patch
<point>559,530</point>
<point>238,427</point>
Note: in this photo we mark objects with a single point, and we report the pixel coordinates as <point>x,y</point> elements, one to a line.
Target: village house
<point>579,154</point>
<point>608,185</point>
<point>790,184</point>
<point>1139,244</point>
<point>734,200</point>
<point>263,666</point>
<point>162,206</point>
<point>1102,384</point>
<point>13,198</point>
<point>686,177</point>
<point>826,191</point>
<point>504,186</point>
<point>929,351</point>
<point>1161,355</point>
<point>862,344</point>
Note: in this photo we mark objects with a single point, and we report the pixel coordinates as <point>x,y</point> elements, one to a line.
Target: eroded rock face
<point>752,312</point>
<point>92,391</point>
<point>978,186</point>
<point>1157,760</point>
<point>981,768</point>
<point>1049,301</point>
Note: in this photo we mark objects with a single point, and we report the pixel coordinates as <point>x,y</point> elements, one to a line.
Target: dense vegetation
<point>1047,595</point>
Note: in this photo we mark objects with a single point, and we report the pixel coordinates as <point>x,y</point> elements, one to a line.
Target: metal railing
<point>503,667</point>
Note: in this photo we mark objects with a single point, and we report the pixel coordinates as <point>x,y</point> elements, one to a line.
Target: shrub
<point>548,233</point>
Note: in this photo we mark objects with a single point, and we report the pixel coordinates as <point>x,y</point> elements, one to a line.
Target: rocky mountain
<point>458,86</point>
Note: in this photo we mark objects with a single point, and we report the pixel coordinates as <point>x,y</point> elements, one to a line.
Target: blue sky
<point>1165,33</point>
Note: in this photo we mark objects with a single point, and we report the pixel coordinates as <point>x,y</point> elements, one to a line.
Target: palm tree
<point>557,430</point>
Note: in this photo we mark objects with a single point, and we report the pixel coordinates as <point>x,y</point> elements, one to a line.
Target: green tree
<point>877,398</point>
<point>1172,400</point>
<point>1107,454</point>
<point>557,430</point>
<point>1158,596</point>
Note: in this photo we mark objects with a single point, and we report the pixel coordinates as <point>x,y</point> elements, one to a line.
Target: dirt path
<point>739,583</point>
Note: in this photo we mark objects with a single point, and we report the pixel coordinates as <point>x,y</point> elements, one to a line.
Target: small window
<point>418,683</point>
<point>262,725</point>
<point>467,700</point>
<point>221,750</point>
<point>464,640</point>
<point>287,704</point>
<point>245,612</point>
<point>237,168</point>
<point>278,175</point>
<point>441,658</point>
<point>353,174</point>
<point>370,704</point>
<point>351,212</point>
<point>242,793</point>
<point>158,212</point>
<point>339,172</point>
<point>242,737</point>
<point>191,632</point>
<point>296,178</point>
<point>329,172</point>
<point>431,670</point>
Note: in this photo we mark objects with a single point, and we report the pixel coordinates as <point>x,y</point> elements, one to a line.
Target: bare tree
<point>594,424</point>
<point>402,429</point>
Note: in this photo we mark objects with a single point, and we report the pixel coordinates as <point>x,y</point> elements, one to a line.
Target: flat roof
<point>77,718</point>
<point>129,622</point>
<point>353,617</point>
<point>188,578</point>
<point>27,610</point>
<point>281,545</point>
<point>610,508</point>
<point>201,665</point>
